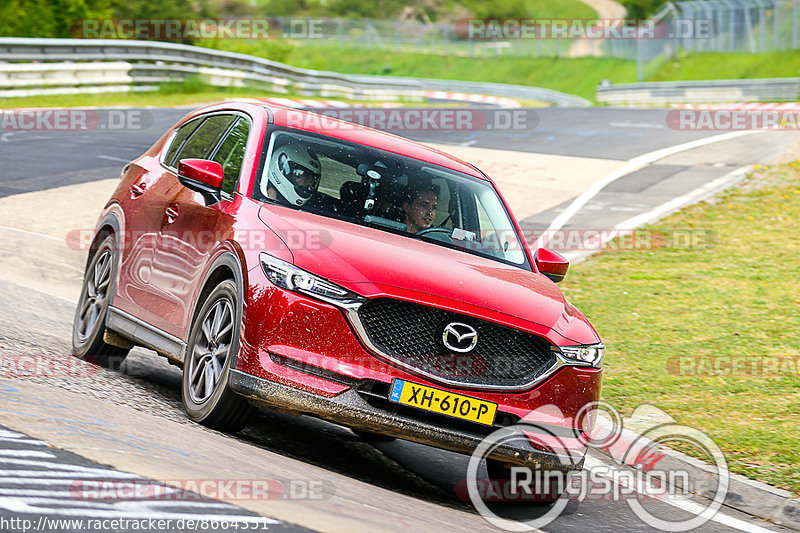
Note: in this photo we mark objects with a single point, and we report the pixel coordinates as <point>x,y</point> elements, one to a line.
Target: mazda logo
<point>459,337</point>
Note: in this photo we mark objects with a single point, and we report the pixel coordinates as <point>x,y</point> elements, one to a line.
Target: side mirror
<point>551,264</point>
<point>202,176</point>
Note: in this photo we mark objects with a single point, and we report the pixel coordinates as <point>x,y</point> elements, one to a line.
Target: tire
<point>213,342</point>
<point>89,324</point>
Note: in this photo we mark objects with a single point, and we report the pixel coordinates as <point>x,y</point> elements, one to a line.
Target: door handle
<point>172,213</point>
<point>138,190</point>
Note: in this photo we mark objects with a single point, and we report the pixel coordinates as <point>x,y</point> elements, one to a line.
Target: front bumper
<point>351,409</point>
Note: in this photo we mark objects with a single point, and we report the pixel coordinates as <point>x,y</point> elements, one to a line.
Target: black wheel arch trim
<point>230,260</point>
<point>112,220</point>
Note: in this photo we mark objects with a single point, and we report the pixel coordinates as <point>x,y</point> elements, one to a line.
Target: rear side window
<point>205,138</point>
<point>231,154</point>
<point>180,138</point>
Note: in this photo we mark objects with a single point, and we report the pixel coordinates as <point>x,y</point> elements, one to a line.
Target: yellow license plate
<point>441,401</point>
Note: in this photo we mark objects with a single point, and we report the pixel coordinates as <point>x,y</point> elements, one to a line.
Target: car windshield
<point>386,191</point>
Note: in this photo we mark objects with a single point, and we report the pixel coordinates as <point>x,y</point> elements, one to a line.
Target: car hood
<point>374,262</point>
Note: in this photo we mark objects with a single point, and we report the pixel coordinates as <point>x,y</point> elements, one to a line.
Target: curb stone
<point>755,498</point>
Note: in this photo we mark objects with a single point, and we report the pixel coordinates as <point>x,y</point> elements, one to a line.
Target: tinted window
<point>180,137</point>
<point>206,137</point>
<point>389,192</point>
<point>231,154</point>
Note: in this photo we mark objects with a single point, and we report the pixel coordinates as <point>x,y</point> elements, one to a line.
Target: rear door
<point>189,229</point>
<point>144,210</point>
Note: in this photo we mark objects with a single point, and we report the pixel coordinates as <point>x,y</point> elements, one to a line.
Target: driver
<point>420,207</point>
<point>294,173</point>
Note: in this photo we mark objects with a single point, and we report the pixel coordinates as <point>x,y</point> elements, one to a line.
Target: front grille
<point>412,334</point>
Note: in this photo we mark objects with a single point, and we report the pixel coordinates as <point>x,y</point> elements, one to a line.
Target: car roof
<point>326,125</point>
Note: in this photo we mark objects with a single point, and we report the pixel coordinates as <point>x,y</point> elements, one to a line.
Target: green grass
<point>715,66</point>
<point>440,11</point>
<point>193,93</point>
<point>572,75</point>
<point>737,297</point>
<point>579,76</point>
<point>558,9</point>
<point>129,99</point>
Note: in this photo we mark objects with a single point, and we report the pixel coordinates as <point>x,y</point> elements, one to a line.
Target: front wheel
<point>89,325</point>
<point>213,341</point>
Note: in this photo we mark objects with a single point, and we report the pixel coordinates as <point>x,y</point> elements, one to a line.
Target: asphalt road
<point>42,159</point>
<point>406,479</point>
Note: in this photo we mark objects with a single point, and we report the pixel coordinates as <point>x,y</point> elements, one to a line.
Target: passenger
<point>420,207</point>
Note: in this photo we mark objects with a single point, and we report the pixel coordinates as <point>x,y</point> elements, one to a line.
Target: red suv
<point>313,266</point>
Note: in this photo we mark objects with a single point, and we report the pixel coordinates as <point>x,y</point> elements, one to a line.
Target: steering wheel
<point>439,234</point>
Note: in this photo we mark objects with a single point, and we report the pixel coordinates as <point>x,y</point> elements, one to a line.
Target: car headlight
<point>288,276</point>
<point>590,354</point>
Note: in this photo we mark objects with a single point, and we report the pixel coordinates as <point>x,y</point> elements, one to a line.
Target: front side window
<point>179,139</point>
<point>386,191</point>
<point>205,138</point>
<point>231,154</point>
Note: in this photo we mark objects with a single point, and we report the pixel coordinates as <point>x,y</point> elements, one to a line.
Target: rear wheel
<point>89,325</point>
<point>213,340</point>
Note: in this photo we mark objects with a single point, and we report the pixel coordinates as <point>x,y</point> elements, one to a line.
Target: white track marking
<point>112,158</point>
<point>64,481</point>
<point>636,125</point>
<point>634,164</point>
<point>24,453</point>
<point>687,505</point>
<point>628,226</point>
<point>677,203</point>
<point>122,505</point>
<point>63,468</point>
<point>26,232</point>
<point>720,518</point>
<point>35,492</point>
<point>23,441</point>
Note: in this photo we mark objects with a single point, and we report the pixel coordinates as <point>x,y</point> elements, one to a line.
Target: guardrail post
<point>762,28</point>
<point>638,61</point>
<point>748,27</point>
<point>776,43</point>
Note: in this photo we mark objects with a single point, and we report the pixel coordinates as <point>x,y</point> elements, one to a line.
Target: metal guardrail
<point>156,62</point>
<point>695,92</point>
